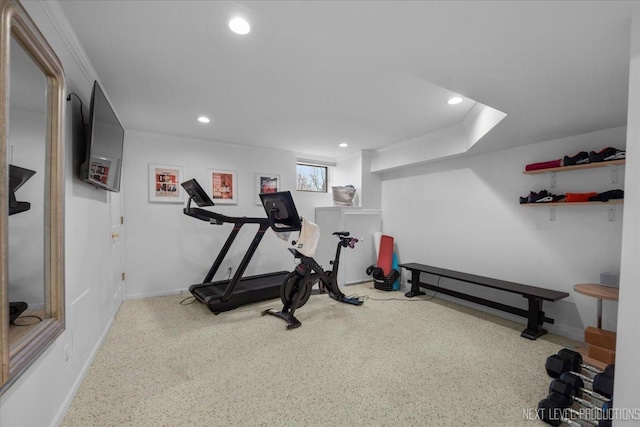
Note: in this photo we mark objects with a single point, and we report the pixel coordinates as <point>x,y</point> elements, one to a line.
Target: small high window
<point>311,178</point>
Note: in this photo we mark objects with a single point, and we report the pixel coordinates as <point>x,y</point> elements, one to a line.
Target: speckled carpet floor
<point>385,363</point>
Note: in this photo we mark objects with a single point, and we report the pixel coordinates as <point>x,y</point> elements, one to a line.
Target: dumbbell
<point>601,383</point>
<point>577,363</point>
<point>555,407</point>
<point>564,403</point>
<point>566,389</point>
<point>569,360</point>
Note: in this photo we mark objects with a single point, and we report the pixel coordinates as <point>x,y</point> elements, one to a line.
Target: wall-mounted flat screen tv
<point>103,162</point>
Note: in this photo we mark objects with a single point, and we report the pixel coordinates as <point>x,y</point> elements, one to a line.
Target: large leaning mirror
<point>32,196</point>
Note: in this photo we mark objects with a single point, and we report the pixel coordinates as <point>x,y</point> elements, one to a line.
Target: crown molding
<point>171,138</point>
<point>63,27</point>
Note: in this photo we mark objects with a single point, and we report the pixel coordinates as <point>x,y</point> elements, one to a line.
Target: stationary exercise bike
<point>296,288</point>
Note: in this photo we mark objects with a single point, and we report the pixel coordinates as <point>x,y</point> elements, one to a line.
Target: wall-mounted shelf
<point>610,202</point>
<point>552,207</point>
<point>612,164</point>
<point>577,167</point>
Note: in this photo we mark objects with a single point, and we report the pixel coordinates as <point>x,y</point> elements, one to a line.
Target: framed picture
<point>223,186</point>
<point>101,170</point>
<point>266,183</point>
<point>164,183</point>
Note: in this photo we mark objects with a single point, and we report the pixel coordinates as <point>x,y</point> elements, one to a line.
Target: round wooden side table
<point>600,292</point>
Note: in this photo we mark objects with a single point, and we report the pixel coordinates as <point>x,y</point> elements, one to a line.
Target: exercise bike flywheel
<point>294,283</point>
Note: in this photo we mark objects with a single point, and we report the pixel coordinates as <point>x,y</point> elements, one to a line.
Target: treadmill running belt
<point>248,290</point>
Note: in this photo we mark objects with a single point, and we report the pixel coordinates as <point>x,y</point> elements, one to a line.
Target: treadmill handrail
<point>205,215</point>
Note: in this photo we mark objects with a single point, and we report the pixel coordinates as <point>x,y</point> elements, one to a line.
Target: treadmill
<point>224,295</point>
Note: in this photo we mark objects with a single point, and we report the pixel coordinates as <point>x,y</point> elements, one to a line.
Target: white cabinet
<point>360,223</point>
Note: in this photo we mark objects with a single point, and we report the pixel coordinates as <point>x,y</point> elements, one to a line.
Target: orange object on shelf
<point>578,197</point>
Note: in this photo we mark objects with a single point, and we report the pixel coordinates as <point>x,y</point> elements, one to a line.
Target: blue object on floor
<point>394,265</point>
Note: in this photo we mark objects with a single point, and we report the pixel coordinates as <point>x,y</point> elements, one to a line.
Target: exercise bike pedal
<point>345,299</point>
<point>354,301</point>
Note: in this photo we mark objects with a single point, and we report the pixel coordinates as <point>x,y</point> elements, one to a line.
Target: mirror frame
<point>15,22</point>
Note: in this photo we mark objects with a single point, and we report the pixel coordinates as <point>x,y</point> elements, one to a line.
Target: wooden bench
<point>534,295</point>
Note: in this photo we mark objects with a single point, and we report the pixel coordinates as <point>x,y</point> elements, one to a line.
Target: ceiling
<point>312,74</point>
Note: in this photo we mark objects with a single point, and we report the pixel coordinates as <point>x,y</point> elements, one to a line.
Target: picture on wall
<point>99,169</point>
<point>266,183</point>
<point>164,183</point>
<point>223,186</point>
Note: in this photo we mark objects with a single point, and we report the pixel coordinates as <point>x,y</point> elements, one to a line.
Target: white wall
<point>168,251</point>
<point>41,395</point>
<point>628,345</point>
<point>371,183</point>
<point>355,169</point>
<point>463,214</point>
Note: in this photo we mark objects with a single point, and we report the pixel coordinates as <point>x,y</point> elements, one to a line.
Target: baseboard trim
<point>166,293</point>
<point>567,331</point>
<point>62,411</point>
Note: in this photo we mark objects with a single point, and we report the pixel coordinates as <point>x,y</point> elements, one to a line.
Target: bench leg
<point>415,285</point>
<point>536,319</point>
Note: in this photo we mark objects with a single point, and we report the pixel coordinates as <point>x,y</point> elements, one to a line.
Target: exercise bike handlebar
<point>345,240</point>
<point>352,242</point>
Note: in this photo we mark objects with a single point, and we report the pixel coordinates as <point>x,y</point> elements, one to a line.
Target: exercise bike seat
<point>341,233</point>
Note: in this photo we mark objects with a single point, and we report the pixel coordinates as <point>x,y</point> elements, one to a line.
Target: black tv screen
<point>103,163</point>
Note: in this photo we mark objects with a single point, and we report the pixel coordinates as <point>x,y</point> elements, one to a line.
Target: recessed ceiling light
<point>343,144</point>
<point>203,119</point>
<point>455,100</point>
<point>239,26</point>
